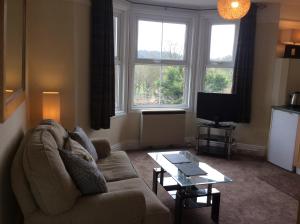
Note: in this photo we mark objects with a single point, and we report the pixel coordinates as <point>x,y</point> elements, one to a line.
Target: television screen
<point>217,107</point>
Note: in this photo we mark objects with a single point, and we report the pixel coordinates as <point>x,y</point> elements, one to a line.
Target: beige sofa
<point>47,194</point>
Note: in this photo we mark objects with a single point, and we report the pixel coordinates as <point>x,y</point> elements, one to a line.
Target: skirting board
<point>126,146</point>
<point>256,150</point>
<point>190,141</point>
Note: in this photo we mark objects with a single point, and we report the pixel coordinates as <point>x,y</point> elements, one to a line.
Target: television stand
<point>219,144</point>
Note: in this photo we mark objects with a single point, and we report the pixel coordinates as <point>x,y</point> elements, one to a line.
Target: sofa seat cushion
<point>50,183</point>
<point>156,211</point>
<point>116,166</point>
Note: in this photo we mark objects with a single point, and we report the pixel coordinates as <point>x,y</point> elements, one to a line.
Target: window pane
<point>149,39</point>
<point>222,43</point>
<point>218,80</point>
<point>158,85</point>
<point>117,88</point>
<point>116,35</point>
<point>146,84</point>
<point>173,44</point>
<point>172,85</point>
<point>158,40</point>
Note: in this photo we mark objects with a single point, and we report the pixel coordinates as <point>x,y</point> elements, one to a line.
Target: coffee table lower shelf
<point>188,197</point>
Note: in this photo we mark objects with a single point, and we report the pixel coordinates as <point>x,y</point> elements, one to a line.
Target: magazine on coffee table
<point>190,169</point>
<point>176,158</point>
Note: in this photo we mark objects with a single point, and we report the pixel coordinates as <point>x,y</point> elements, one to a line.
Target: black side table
<point>216,144</point>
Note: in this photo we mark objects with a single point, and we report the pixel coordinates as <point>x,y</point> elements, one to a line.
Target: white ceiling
<point>204,3</point>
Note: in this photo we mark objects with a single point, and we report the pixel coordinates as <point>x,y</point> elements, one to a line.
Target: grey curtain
<point>102,70</point>
<point>243,70</point>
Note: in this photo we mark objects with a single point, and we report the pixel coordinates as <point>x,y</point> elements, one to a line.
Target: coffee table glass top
<point>212,177</point>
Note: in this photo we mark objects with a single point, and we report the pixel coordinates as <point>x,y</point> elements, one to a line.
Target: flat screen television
<point>217,107</point>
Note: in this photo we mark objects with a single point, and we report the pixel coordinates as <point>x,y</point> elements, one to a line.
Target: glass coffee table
<point>187,190</point>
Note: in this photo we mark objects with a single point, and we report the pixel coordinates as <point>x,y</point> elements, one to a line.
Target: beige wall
<point>51,62</point>
<point>11,133</point>
<point>59,60</point>
<point>290,12</point>
<point>265,55</point>
<point>255,133</point>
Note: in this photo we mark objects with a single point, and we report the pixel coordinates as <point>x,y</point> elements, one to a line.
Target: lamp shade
<point>290,37</point>
<point>233,9</point>
<point>286,36</point>
<point>51,106</point>
<point>296,37</point>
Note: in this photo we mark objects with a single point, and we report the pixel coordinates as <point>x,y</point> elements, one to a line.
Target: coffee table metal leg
<point>154,182</point>
<point>209,191</point>
<point>161,179</point>
<point>215,209</point>
<point>178,207</point>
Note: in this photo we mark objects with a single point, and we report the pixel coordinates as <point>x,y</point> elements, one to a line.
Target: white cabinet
<point>282,140</point>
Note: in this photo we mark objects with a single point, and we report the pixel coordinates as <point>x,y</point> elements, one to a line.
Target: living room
<point>58,60</point>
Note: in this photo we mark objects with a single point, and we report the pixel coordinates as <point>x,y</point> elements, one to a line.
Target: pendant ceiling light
<point>233,9</point>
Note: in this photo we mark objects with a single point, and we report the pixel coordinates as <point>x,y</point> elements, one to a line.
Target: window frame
<point>186,62</point>
<point>215,64</point>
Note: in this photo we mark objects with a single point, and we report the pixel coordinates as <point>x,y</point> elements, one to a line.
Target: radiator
<point>162,128</point>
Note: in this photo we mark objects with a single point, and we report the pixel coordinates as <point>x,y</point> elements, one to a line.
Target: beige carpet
<point>286,182</point>
<point>247,199</point>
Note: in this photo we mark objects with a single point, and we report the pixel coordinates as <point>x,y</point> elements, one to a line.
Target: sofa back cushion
<point>84,172</point>
<point>77,149</point>
<point>50,183</point>
<point>19,182</point>
<point>57,131</point>
<point>80,136</point>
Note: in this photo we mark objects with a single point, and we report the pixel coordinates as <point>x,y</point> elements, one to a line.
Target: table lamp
<point>51,106</point>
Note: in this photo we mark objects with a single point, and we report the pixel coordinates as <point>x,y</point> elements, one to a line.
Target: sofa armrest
<point>126,207</point>
<point>102,147</point>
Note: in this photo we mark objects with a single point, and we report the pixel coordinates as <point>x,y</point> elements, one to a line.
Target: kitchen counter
<point>288,109</point>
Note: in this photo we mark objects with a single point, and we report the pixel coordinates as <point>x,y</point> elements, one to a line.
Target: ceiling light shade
<point>233,9</point>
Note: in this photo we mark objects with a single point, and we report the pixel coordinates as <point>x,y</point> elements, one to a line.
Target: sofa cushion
<point>19,181</point>
<point>117,166</point>
<point>58,131</point>
<point>80,136</point>
<point>77,149</point>
<point>84,173</point>
<point>50,183</point>
<point>156,211</point>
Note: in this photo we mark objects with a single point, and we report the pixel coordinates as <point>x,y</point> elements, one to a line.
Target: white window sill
<point>140,109</point>
<point>119,114</point>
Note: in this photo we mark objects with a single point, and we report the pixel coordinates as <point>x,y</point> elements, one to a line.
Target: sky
<point>222,41</point>
<point>157,36</point>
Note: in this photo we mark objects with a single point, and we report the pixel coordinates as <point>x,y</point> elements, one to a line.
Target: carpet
<point>247,200</point>
<point>286,182</point>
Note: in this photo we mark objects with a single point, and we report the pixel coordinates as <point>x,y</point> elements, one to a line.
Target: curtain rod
<point>172,7</point>
<point>260,6</point>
